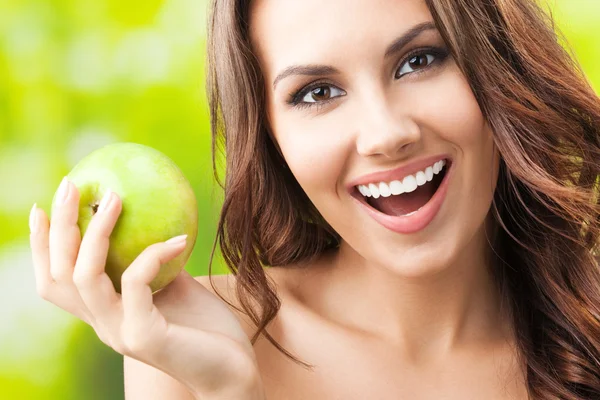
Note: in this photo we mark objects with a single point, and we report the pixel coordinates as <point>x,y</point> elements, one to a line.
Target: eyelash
<point>295,98</point>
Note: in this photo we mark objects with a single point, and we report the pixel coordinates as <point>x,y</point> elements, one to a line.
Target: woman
<point>411,211</point>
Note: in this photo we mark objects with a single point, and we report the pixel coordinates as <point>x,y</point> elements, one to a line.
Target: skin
<point>385,316</point>
<point>428,296</point>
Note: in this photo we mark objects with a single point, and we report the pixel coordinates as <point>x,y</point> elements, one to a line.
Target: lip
<point>417,220</point>
<point>397,173</point>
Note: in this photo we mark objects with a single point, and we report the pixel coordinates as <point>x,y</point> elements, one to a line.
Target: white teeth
<point>384,189</point>
<point>396,187</point>
<point>409,184</point>
<point>421,179</point>
<point>429,173</point>
<point>437,167</point>
<point>374,190</point>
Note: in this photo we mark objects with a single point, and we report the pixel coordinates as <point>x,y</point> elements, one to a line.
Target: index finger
<point>95,287</point>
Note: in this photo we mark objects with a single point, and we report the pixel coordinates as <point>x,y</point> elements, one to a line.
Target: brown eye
<point>418,61</point>
<point>320,93</point>
<point>415,63</point>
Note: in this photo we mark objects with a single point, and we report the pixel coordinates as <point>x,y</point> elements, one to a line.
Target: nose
<point>385,130</point>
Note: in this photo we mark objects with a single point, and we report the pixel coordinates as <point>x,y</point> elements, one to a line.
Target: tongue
<point>406,203</point>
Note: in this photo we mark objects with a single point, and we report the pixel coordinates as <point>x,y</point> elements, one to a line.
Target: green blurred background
<point>79,74</point>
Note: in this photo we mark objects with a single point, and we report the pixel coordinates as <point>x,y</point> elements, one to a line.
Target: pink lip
<point>396,174</point>
<point>420,218</point>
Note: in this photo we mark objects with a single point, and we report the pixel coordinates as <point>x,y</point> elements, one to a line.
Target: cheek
<point>451,110</point>
<point>316,155</point>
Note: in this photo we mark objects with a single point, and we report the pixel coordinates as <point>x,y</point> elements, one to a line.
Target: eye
<point>415,63</point>
<point>318,94</point>
<point>321,93</point>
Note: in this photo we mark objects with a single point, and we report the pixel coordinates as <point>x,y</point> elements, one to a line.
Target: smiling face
<point>361,93</point>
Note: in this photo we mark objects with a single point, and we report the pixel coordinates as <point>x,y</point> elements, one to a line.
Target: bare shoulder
<point>226,282</point>
<point>223,286</point>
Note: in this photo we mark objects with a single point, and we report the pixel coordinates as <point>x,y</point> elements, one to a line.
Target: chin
<point>415,259</point>
<point>418,264</point>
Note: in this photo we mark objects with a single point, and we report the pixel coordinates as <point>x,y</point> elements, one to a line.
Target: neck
<point>425,316</point>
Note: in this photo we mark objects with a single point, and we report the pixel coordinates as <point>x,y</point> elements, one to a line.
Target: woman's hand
<point>183,330</point>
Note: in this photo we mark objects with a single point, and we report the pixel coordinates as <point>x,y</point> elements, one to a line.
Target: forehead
<point>286,32</point>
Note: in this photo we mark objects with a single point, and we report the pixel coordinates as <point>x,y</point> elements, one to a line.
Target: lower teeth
<point>413,212</point>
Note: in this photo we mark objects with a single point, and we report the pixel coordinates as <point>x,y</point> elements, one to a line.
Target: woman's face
<point>358,108</point>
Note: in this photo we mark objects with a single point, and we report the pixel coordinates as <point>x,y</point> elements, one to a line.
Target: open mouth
<point>400,199</point>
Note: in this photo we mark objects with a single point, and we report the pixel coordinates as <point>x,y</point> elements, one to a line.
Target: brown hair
<point>545,118</point>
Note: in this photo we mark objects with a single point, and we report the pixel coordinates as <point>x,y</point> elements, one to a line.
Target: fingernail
<point>33,219</point>
<point>105,202</point>
<point>177,239</point>
<point>63,190</point>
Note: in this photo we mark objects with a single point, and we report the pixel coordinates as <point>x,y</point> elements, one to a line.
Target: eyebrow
<point>319,69</point>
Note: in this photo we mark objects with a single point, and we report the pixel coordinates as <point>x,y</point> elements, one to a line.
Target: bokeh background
<point>76,75</point>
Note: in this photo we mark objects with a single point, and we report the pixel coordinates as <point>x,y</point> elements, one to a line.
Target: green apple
<point>158,204</point>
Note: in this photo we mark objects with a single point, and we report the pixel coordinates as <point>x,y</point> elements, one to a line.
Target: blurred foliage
<point>78,74</point>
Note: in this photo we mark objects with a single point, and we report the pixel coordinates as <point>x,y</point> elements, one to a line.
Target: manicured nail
<point>63,190</point>
<point>177,239</point>
<point>105,202</point>
<point>33,225</point>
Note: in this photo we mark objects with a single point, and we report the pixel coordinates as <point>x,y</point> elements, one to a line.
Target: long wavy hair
<point>545,119</point>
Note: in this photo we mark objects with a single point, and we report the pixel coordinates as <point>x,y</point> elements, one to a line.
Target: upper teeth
<point>408,184</point>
